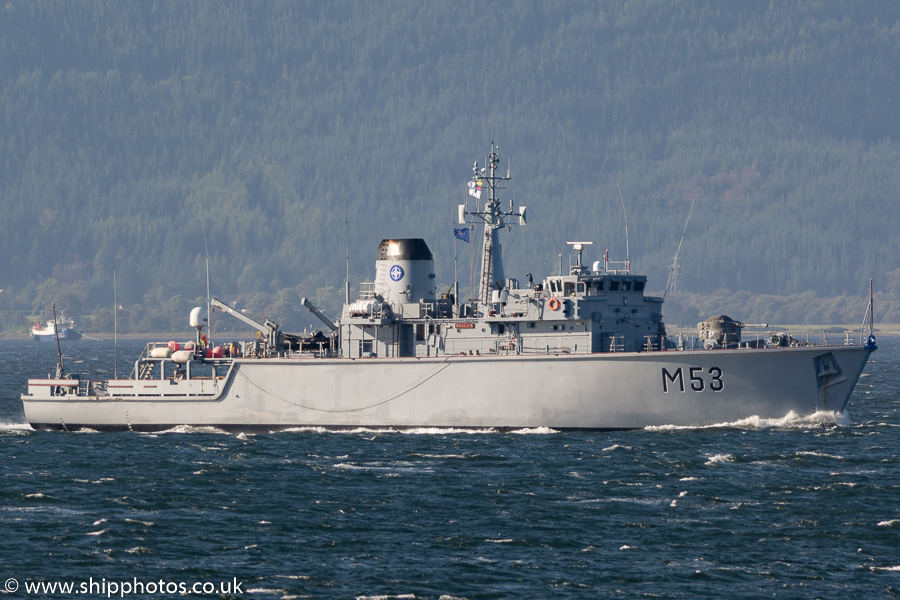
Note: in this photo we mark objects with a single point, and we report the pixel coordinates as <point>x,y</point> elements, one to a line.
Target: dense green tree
<point>149,138</point>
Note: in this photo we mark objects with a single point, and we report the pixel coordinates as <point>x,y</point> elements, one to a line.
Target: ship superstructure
<point>589,310</point>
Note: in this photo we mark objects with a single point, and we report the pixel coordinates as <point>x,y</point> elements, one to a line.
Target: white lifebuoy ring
<point>554,304</point>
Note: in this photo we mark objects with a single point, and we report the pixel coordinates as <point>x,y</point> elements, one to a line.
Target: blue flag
<point>462,233</point>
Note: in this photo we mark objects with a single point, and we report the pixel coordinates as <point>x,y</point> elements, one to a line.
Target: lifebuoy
<point>553,304</point>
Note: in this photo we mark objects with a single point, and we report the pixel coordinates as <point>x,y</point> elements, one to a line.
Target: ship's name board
<point>693,378</point>
<point>465,325</point>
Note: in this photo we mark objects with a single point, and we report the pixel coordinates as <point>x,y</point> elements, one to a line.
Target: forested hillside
<point>135,135</point>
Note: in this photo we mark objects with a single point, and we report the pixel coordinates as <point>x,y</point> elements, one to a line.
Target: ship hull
<point>590,391</point>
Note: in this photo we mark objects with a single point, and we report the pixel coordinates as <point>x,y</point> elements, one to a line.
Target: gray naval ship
<point>583,350</point>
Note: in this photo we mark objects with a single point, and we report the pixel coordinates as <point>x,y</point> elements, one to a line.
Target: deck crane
<point>274,336</point>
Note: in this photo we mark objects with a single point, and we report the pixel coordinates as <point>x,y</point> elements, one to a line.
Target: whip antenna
<point>627,253</point>
<point>347,247</point>
<point>675,260</point>
<point>208,304</point>
<point>115,329</point>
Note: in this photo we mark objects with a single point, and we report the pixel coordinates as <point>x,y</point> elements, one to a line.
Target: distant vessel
<point>61,324</point>
<point>584,350</point>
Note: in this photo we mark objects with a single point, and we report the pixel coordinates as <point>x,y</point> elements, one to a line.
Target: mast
<point>494,218</point>
<point>115,329</point>
<point>59,365</point>
<point>870,312</point>
<point>871,309</point>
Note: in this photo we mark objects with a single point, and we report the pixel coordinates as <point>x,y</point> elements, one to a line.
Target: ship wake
<point>15,428</point>
<point>822,418</point>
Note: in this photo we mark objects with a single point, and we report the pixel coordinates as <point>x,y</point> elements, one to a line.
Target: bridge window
<point>613,285</point>
<point>570,288</point>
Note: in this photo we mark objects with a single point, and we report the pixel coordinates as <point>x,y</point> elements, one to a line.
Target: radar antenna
<point>578,247</point>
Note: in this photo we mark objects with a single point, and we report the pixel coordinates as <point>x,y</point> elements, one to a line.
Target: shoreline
<point>888,329</point>
<point>107,337</point>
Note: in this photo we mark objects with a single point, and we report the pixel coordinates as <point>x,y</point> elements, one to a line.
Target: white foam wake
<point>15,427</point>
<point>822,418</point>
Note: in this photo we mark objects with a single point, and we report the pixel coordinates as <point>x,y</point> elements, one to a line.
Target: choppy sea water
<point>788,508</point>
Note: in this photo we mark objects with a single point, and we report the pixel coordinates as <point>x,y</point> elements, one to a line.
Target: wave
<point>15,427</point>
<point>382,430</point>
<point>304,430</point>
<point>534,430</point>
<point>193,429</point>
<point>821,455</point>
<point>720,458</point>
<point>439,456</point>
<point>617,447</point>
<point>822,418</point>
<point>790,421</point>
<point>440,431</point>
<point>421,430</point>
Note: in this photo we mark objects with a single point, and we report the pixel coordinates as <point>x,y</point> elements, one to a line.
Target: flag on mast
<point>461,233</point>
<point>475,189</point>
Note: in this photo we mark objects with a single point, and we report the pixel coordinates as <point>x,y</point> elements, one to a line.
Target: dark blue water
<point>791,508</point>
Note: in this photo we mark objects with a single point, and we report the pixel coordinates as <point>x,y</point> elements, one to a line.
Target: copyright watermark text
<point>121,589</point>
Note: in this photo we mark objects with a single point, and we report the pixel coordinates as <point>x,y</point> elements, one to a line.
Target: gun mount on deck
<point>722,331</point>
